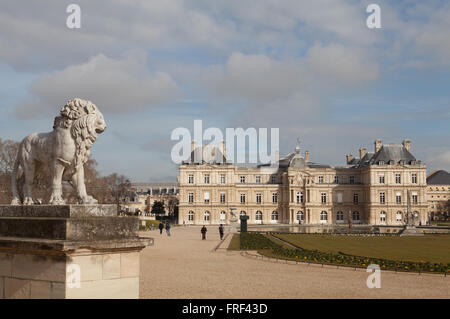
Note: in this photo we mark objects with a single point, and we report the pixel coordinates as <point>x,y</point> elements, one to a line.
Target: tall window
<point>382,198</point>
<point>191,215</point>
<point>323,216</point>
<point>258,215</point>
<point>223,216</point>
<point>274,216</point>
<point>355,198</point>
<point>340,216</point>
<point>299,197</point>
<point>242,179</point>
<point>222,179</point>
<point>398,178</point>
<point>339,198</point>
<point>300,215</point>
<point>323,196</point>
<point>206,197</point>
<point>206,178</point>
<point>414,198</point>
<point>258,198</point>
<point>352,180</point>
<point>273,179</point>
<point>191,179</point>
<point>399,216</point>
<point>414,178</point>
<point>191,197</point>
<point>381,176</point>
<point>336,179</point>
<point>355,216</point>
<point>258,179</point>
<point>320,179</point>
<point>274,197</point>
<point>206,216</point>
<point>383,217</point>
<point>398,198</point>
<point>242,198</point>
<point>222,197</point>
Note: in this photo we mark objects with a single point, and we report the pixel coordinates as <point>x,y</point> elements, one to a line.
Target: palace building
<point>373,189</point>
<point>438,193</point>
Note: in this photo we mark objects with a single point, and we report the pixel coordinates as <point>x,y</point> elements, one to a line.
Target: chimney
<point>307,156</point>
<point>193,146</point>
<point>349,158</point>
<point>277,156</point>
<point>362,152</point>
<point>222,148</point>
<point>407,144</point>
<point>378,145</point>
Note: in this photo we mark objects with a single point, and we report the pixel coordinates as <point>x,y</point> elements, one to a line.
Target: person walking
<point>168,229</point>
<point>221,231</point>
<point>203,231</point>
<point>161,227</point>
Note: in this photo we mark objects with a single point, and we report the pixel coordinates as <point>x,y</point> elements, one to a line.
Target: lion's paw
<point>57,200</point>
<point>88,200</point>
<point>28,201</point>
<point>15,201</point>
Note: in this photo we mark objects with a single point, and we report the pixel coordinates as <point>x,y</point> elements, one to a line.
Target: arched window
<point>340,216</point>
<point>258,215</point>
<point>399,216</point>
<point>300,215</point>
<point>191,216</point>
<point>382,216</point>
<point>274,216</point>
<point>355,216</point>
<point>207,216</point>
<point>323,216</point>
<point>223,216</point>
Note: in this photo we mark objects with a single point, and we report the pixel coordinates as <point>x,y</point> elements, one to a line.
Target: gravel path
<point>184,266</point>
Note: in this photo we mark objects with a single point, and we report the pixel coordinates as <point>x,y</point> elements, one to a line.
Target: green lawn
<point>432,248</point>
<point>440,223</point>
<point>235,243</point>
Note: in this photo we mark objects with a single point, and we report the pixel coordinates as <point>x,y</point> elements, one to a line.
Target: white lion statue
<point>66,149</point>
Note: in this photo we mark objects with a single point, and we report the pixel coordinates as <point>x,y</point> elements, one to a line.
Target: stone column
<point>69,252</point>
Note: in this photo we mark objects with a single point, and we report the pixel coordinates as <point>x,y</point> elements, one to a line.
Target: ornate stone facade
<point>371,189</point>
<point>438,194</point>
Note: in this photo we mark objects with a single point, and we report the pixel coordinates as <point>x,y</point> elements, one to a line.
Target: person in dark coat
<point>161,227</point>
<point>168,229</point>
<point>221,231</point>
<point>203,231</point>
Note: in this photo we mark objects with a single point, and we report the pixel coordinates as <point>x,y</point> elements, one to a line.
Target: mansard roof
<point>439,177</point>
<point>216,157</point>
<point>388,153</point>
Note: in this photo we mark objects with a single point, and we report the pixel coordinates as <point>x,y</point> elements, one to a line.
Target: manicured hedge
<point>257,241</point>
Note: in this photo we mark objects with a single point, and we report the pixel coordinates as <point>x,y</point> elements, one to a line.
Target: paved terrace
<point>184,266</point>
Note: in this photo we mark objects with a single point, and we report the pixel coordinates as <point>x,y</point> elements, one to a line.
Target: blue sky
<point>310,68</point>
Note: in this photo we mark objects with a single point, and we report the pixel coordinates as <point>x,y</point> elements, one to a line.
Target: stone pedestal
<point>411,231</point>
<point>69,251</point>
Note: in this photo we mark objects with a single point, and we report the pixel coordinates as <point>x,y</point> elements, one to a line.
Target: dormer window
<point>380,162</point>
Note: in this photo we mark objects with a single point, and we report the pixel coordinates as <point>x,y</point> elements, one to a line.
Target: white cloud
<point>254,77</point>
<point>341,65</point>
<point>115,85</point>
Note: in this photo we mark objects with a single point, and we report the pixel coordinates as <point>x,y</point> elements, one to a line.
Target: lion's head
<point>85,121</point>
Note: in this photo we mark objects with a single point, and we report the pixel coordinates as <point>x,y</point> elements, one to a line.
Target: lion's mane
<point>79,116</point>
